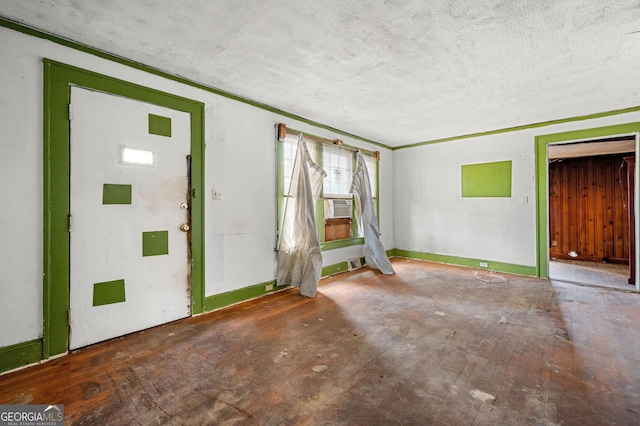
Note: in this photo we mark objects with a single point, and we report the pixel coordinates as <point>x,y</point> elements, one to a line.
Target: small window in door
<point>137,157</point>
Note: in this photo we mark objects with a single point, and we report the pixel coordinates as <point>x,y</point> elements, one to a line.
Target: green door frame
<point>58,78</point>
<point>542,179</point>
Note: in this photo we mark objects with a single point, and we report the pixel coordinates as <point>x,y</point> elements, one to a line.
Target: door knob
<point>184,227</point>
<point>184,206</point>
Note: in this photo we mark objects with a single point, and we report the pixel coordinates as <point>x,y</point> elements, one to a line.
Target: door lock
<point>184,227</point>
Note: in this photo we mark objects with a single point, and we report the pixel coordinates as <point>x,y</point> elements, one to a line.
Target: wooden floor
<point>598,274</point>
<point>433,344</point>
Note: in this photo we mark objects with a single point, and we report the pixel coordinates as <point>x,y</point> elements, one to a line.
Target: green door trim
<point>58,78</point>
<point>542,182</point>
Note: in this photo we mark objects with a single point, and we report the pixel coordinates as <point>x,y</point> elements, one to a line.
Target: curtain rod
<point>283,130</point>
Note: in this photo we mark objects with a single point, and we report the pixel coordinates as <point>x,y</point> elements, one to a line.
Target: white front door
<point>129,194</point>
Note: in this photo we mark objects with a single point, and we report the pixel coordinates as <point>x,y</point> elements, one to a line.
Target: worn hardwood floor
<point>431,345</point>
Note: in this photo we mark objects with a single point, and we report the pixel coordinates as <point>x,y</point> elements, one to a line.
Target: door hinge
<point>69,221</point>
<point>69,317</point>
<point>70,112</point>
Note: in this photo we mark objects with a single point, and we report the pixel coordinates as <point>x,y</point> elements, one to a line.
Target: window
<point>335,211</point>
<point>337,163</point>
<point>136,156</point>
<point>338,204</point>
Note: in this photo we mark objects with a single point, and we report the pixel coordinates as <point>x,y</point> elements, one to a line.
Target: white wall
<point>239,160</point>
<point>21,193</point>
<point>432,217</point>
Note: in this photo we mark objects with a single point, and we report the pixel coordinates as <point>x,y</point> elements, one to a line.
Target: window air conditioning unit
<point>339,208</point>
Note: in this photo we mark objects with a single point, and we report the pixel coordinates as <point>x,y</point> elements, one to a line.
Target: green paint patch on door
<point>487,179</point>
<point>155,243</point>
<point>159,125</point>
<point>116,194</point>
<point>108,292</point>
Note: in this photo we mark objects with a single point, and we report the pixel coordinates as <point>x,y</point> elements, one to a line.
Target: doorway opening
<point>590,211</point>
<point>586,206</point>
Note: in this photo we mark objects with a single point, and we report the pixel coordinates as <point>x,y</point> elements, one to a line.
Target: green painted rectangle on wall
<point>487,179</point>
<point>116,194</point>
<point>159,125</point>
<point>108,292</point>
<point>155,243</point>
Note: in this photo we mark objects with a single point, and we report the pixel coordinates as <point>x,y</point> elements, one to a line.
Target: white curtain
<point>299,253</point>
<point>374,254</point>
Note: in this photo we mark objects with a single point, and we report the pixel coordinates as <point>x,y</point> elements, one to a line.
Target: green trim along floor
<point>244,294</point>
<point>20,355</point>
<point>508,268</point>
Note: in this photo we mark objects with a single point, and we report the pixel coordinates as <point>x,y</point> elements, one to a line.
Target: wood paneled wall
<point>588,209</point>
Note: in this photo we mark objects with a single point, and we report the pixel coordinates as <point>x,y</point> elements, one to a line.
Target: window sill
<point>330,245</point>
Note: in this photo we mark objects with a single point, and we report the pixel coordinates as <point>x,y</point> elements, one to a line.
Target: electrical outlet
<point>268,287</point>
<point>484,265</point>
<point>216,194</point>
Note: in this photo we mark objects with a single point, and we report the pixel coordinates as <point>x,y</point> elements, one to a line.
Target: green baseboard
<point>229,298</point>
<point>20,354</point>
<point>509,268</point>
<point>335,269</point>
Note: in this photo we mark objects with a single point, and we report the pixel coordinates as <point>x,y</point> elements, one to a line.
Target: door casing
<point>542,181</point>
<point>58,78</point>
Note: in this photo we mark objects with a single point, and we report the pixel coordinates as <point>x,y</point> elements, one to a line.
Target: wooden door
<point>128,199</point>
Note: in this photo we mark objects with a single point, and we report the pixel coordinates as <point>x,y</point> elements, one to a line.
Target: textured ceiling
<point>394,71</point>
